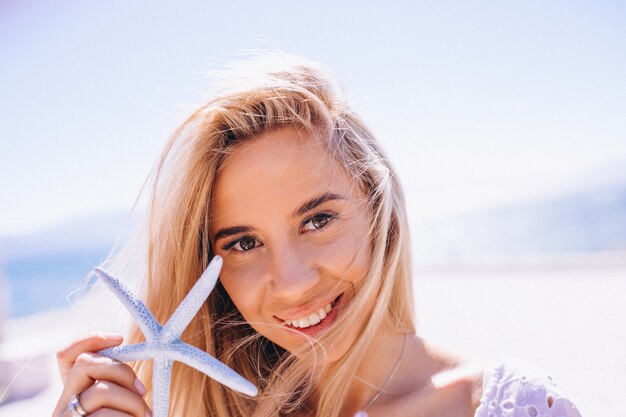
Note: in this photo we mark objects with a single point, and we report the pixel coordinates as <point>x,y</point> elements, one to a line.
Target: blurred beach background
<point>505,121</point>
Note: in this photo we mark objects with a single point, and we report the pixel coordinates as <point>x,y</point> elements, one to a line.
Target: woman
<point>278,176</point>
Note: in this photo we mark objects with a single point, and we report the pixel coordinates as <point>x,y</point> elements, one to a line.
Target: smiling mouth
<point>314,318</point>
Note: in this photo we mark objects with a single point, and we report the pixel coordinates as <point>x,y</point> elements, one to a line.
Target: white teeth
<point>312,319</point>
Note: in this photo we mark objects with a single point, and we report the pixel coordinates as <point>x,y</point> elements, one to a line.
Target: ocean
<point>41,282</point>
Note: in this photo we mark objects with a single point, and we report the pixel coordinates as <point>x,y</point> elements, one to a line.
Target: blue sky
<point>475,102</point>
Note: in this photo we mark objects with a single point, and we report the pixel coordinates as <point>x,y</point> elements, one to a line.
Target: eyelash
<point>326,216</point>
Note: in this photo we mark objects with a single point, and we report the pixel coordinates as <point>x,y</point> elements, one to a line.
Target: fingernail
<point>139,387</point>
<point>113,336</point>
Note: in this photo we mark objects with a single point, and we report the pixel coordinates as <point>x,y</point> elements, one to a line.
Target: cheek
<point>346,256</point>
<point>243,284</point>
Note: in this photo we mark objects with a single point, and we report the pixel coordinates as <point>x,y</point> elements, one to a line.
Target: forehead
<point>276,171</point>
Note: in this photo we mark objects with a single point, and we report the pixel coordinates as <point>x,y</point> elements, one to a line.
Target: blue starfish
<point>162,343</point>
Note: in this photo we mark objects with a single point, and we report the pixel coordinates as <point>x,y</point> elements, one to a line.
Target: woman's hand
<point>104,386</point>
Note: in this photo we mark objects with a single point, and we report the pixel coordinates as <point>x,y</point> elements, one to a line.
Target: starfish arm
<point>137,309</point>
<point>137,352</point>
<point>192,302</point>
<point>210,366</point>
<point>161,377</point>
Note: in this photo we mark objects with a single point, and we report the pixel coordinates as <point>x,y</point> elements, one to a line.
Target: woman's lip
<point>316,329</point>
<point>334,303</point>
<point>303,312</point>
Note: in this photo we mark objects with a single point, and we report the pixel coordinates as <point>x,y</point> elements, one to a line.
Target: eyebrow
<point>304,208</point>
<point>229,231</point>
<point>314,202</point>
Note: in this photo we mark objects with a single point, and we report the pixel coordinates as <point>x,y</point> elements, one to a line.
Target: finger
<point>90,367</point>
<point>105,394</point>
<point>108,412</point>
<point>103,412</point>
<point>90,343</point>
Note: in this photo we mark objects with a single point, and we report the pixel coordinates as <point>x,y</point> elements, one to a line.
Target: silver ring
<point>75,408</point>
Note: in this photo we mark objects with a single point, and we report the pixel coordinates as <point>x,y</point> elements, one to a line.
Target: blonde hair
<point>263,94</point>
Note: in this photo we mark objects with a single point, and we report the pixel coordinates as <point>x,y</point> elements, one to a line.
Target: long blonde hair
<point>173,247</point>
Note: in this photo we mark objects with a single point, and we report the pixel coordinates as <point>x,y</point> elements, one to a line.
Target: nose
<point>292,275</point>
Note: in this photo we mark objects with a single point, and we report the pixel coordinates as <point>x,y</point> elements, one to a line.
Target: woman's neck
<point>382,358</point>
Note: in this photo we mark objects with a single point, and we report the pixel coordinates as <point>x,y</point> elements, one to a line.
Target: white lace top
<point>516,388</point>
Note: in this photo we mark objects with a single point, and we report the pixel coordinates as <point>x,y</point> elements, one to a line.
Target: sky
<point>476,102</point>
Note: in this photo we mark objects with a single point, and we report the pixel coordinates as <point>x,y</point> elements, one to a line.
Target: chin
<point>340,349</point>
<point>331,352</point>
<point>295,339</point>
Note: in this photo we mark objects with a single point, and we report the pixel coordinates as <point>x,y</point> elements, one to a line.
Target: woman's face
<point>292,229</point>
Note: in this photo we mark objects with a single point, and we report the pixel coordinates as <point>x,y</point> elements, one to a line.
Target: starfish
<point>162,343</point>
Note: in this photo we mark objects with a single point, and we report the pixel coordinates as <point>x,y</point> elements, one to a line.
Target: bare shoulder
<point>456,368</point>
<point>448,383</point>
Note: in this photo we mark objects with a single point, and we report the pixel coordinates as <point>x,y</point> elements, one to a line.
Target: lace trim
<point>515,388</point>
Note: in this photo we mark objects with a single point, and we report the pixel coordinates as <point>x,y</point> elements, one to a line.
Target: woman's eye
<point>317,222</point>
<point>245,244</point>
